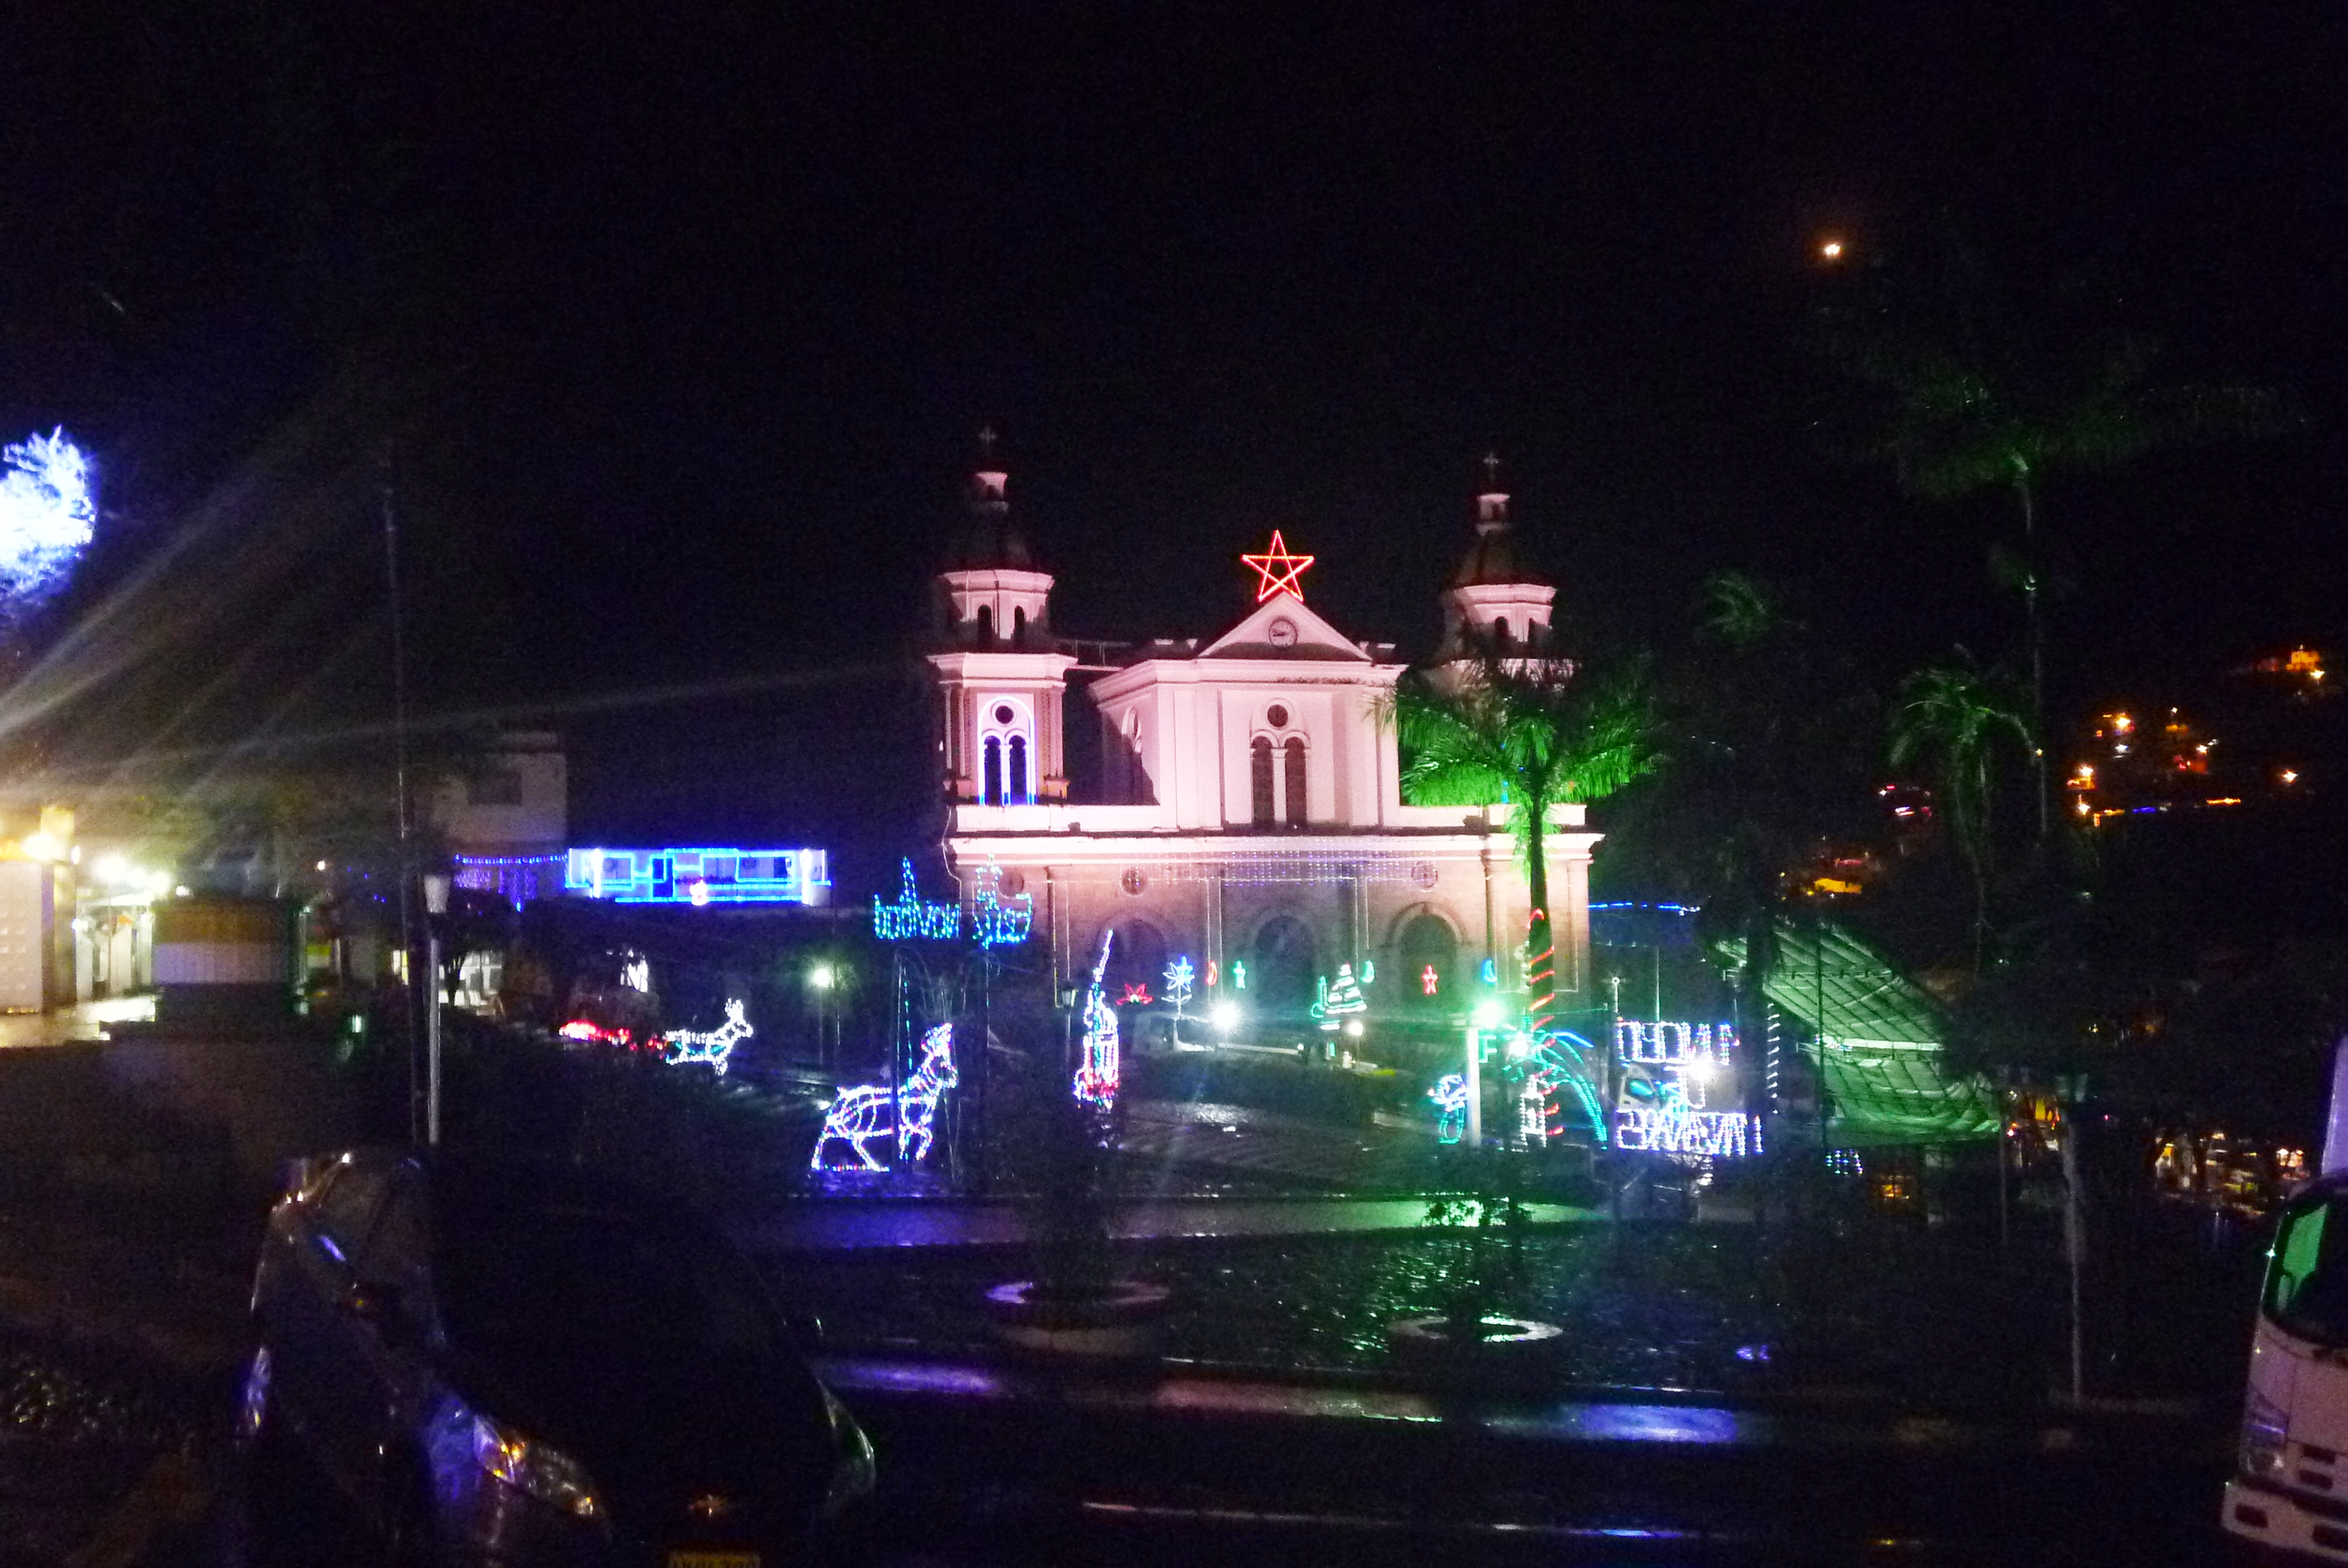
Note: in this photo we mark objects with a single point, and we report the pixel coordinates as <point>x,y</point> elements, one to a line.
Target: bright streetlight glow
<point>1488,1015</point>
<point>822,976</point>
<point>1354,1027</point>
<point>1225,1016</point>
<point>1831,249</point>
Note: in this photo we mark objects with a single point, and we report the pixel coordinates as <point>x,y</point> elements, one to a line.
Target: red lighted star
<point>1279,570</point>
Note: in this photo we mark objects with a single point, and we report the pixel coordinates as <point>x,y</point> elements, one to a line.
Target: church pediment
<point>1285,628</point>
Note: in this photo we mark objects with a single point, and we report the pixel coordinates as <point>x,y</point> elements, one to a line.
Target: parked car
<point>495,1361</point>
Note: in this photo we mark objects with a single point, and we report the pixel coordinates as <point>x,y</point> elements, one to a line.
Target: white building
<point>1248,817</point>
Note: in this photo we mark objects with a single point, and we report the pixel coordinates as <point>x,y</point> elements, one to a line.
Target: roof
<point>1880,1037</point>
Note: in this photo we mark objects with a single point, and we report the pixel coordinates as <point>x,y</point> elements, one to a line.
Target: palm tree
<point>1953,715</point>
<point>1527,733</point>
<point>1974,399</point>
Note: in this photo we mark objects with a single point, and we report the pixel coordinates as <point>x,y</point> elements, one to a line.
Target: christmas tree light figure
<point>1344,998</point>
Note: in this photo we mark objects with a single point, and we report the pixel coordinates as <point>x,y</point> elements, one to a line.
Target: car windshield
<point>550,1289</point>
<point>2307,1283</point>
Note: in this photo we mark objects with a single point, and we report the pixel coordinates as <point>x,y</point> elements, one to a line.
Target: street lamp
<point>822,979</point>
<point>435,904</point>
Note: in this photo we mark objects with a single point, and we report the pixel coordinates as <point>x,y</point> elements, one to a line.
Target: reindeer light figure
<point>711,1046</point>
<point>866,1112</point>
<point>1096,1078</point>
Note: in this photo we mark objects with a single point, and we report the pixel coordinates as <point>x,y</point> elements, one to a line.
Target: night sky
<point>686,317</point>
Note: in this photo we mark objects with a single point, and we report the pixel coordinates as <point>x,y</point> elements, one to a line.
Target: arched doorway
<point>1137,958</point>
<point>1281,971</point>
<point>1427,965</point>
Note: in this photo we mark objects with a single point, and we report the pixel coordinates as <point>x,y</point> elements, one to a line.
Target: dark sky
<point>688,315</point>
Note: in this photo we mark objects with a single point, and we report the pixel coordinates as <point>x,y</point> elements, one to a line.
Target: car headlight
<point>852,1476</point>
<point>545,1473</point>
<point>2265,1425</point>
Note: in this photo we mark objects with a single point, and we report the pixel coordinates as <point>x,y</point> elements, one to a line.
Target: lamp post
<point>822,978</point>
<point>1487,1014</point>
<point>435,905</point>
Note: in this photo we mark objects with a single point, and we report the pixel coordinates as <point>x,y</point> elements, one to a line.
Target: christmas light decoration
<point>1450,1097</point>
<point>1546,1063</point>
<point>637,973</point>
<point>1428,980</point>
<point>995,921</point>
<point>1341,998</point>
<point>1369,971</point>
<point>1672,1129</point>
<point>1179,979</point>
<point>699,878</point>
<point>1667,1072</point>
<point>868,1110</point>
<point>1097,1079</point>
<point>47,511</point>
<point>911,918</point>
<point>1214,974</point>
<point>1135,995</point>
<point>1487,974</point>
<point>587,1032</point>
<point>1239,974</point>
<point>713,1046</point>
<point>1278,570</point>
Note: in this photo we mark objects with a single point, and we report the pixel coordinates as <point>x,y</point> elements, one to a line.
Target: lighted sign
<point>1278,570</point>
<point>1676,1130</point>
<point>1668,1072</point>
<point>910,918</point>
<point>699,877</point>
<point>995,921</point>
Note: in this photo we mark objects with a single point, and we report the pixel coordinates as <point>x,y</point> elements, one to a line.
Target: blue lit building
<point>699,877</point>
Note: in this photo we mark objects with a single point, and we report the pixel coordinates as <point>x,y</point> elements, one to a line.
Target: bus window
<point>2307,1285</point>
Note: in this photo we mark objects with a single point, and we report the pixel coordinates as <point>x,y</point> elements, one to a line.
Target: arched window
<point>1426,967</point>
<point>1260,775</point>
<point>1018,626</point>
<point>1285,963</point>
<point>1500,632</point>
<point>1006,739</point>
<point>986,623</point>
<point>1297,808</point>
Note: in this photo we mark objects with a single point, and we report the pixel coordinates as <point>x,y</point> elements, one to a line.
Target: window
<point>1006,739</point>
<point>2307,1284</point>
<point>1276,716</point>
<point>1260,775</point>
<point>986,623</point>
<point>1018,627</point>
<point>1500,632</point>
<point>1297,811</point>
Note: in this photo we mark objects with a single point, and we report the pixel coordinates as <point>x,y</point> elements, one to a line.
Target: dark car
<point>499,1362</point>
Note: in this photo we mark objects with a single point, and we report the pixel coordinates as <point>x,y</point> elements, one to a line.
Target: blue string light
<point>713,1046</point>
<point>1450,1097</point>
<point>995,921</point>
<point>697,877</point>
<point>911,918</point>
<point>1180,980</point>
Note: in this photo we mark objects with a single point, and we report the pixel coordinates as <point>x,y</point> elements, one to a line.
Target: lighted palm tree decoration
<point>1526,733</point>
<point>1957,716</point>
<point>1974,400</point>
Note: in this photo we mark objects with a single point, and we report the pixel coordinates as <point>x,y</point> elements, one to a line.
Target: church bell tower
<point>1002,679</point>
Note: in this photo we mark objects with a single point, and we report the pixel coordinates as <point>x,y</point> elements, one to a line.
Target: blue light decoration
<point>516,878</point>
<point>1490,976</point>
<point>995,921</point>
<point>913,919</point>
<point>1369,971</point>
<point>713,1046</point>
<point>1096,1078</point>
<point>1450,1097</point>
<point>1673,1064</point>
<point>699,878</point>
<point>1180,981</point>
<point>48,511</point>
<point>866,1111</point>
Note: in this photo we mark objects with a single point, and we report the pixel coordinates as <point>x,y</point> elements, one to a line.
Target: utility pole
<point>399,750</point>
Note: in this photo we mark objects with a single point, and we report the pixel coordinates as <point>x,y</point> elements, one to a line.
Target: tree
<point>1953,715</point>
<point>1527,733</point>
<point>1970,396</point>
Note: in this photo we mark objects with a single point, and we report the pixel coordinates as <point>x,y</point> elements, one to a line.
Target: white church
<point>1248,817</point>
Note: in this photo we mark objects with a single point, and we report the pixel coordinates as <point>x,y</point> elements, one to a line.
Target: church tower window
<point>1260,775</point>
<point>1019,794</point>
<point>990,776</point>
<point>1297,809</point>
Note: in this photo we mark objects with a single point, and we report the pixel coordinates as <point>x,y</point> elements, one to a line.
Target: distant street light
<point>1831,249</point>
<point>822,978</point>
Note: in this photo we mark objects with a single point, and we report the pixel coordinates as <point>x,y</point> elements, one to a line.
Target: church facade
<point>1246,828</point>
